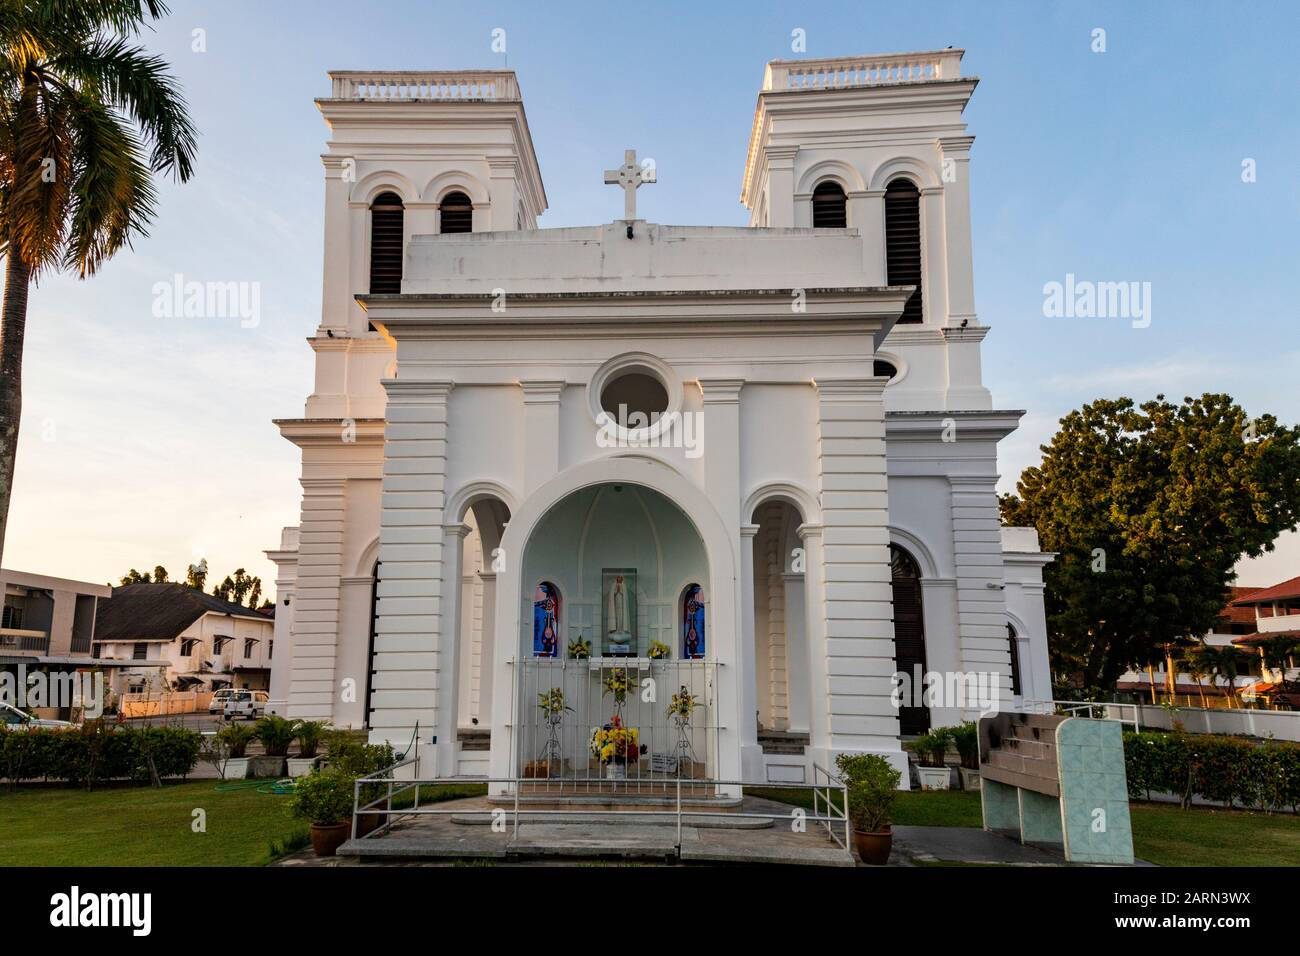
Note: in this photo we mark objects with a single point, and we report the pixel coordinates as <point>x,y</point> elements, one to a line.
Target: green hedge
<point>1230,770</point>
<point>97,751</point>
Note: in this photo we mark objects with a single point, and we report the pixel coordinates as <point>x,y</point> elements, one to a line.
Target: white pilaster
<point>449,650</point>
<point>541,431</point>
<point>313,688</point>
<point>412,635</point>
<point>858,594</point>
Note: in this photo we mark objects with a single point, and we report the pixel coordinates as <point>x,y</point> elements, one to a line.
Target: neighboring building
<point>1276,615</point>
<point>205,643</point>
<point>808,511</point>
<point>51,623</point>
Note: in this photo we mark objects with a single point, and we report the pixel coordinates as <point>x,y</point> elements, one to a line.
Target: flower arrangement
<point>659,650</point>
<point>683,704</point>
<point>617,683</point>
<point>551,704</point>
<point>615,743</point>
<point>579,650</point>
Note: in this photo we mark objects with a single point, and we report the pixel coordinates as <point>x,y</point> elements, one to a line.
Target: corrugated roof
<point>159,612</point>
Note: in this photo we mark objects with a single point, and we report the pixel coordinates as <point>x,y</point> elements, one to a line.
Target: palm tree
<point>1223,662</point>
<point>86,119</point>
<point>1197,661</point>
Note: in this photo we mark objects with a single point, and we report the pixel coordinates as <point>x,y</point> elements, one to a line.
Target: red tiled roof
<point>1278,592</point>
<point>1263,636</point>
<point>1234,614</point>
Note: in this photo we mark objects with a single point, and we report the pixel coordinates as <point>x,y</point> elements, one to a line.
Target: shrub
<point>309,734</point>
<point>966,738</point>
<point>1230,770</point>
<point>236,738</point>
<point>323,798</point>
<point>97,751</point>
<point>276,734</point>
<point>931,747</point>
<point>872,784</point>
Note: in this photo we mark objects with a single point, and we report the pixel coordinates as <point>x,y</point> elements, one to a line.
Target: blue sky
<point>148,439</point>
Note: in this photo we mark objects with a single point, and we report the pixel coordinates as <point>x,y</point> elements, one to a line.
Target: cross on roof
<point>629,176</point>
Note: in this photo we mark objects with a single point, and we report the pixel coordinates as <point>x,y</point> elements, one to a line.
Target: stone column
<point>411,632</point>
<point>796,652</point>
<point>858,593</point>
<point>450,685</point>
<point>487,649</point>
<point>977,559</point>
<point>313,690</point>
<point>747,651</point>
<point>819,726</point>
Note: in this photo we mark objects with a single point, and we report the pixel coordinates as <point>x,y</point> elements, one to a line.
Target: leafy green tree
<point>235,588</point>
<point>135,577</point>
<point>1149,508</point>
<point>159,574</point>
<point>87,118</point>
<point>197,575</point>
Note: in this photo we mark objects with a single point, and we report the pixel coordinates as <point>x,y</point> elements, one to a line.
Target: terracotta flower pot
<point>326,839</point>
<point>873,848</point>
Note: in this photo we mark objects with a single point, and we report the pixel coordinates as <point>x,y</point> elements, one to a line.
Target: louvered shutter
<point>903,242</point>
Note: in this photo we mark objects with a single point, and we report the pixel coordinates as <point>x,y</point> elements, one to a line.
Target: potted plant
<point>579,650</point>
<point>872,784</point>
<point>309,734</point>
<point>276,734</point>
<point>324,799</point>
<point>233,740</point>
<point>353,757</point>
<point>966,738</point>
<point>930,749</point>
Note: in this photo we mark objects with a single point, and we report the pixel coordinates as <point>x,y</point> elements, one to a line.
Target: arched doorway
<point>909,637</point>
<point>602,654</point>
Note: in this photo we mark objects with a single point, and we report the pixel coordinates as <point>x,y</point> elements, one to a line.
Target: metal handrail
<point>834,815</point>
<point>1074,708</point>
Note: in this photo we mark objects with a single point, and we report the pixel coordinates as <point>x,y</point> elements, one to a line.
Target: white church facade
<point>555,482</point>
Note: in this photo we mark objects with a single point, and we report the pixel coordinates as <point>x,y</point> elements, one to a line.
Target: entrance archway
<point>600,644</point>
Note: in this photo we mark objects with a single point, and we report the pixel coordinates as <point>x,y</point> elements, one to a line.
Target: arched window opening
<point>386,217</point>
<point>909,638</point>
<point>1013,645</point>
<point>903,242</point>
<point>692,621</point>
<point>456,213</point>
<point>830,206</point>
<point>546,620</point>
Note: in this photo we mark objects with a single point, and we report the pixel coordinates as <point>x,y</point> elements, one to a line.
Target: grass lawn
<point>140,826</point>
<point>1162,834</point>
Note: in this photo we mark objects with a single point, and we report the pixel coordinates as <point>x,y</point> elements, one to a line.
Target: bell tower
<point>877,144</point>
<point>431,151</point>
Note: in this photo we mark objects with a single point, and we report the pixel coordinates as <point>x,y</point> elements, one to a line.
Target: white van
<point>246,703</point>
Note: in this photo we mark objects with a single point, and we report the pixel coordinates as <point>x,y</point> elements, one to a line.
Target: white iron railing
<point>679,813</point>
<point>852,71</point>
<point>1097,710</point>
<point>411,85</point>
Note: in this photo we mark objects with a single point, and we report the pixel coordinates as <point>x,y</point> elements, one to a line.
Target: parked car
<point>246,703</point>
<point>14,719</point>
<point>219,697</point>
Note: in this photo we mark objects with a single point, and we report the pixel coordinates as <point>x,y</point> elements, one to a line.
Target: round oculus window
<point>634,399</point>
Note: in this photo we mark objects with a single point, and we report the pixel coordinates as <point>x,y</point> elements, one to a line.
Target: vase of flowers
<point>659,651</point>
<point>615,747</point>
<point>680,708</point>
<point>579,650</point>
<point>553,707</point>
